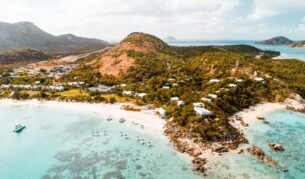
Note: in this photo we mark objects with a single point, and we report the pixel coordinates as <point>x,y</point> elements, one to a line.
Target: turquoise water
<point>286,52</point>
<point>59,143</point>
<point>286,128</point>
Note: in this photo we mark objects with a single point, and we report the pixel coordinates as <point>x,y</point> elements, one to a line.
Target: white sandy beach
<point>249,116</point>
<point>147,118</point>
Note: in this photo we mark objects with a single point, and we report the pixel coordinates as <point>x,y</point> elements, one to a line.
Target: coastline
<point>248,117</point>
<point>200,154</point>
<point>145,117</point>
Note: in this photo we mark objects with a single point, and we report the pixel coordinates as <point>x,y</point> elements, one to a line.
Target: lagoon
<point>59,143</point>
<point>286,128</point>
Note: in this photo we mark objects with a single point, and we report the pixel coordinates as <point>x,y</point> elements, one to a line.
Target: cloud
<point>267,8</point>
<point>117,18</point>
<point>114,19</point>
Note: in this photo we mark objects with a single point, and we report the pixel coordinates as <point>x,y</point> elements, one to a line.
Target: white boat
<point>19,128</point>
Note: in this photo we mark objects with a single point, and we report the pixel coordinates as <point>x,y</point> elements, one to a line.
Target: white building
<point>201,111</point>
<point>141,95</point>
<point>180,103</point>
<point>166,87</point>
<point>171,79</point>
<point>174,98</point>
<point>259,79</point>
<point>239,80</point>
<point>199,104</point>
<point>175,84</point>
<point>206,100</point>
<point>161,112</point>
<point>214,81</point>
<point>232,85</point>
<point>128,93</point>
<point>213,96</point>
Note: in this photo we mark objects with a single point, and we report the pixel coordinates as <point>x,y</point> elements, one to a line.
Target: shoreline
<point>249,117</point>
<point>201,155</point>
<point>145,117</point>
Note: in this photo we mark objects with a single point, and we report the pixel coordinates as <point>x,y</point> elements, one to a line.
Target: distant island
<point>27,35</point>
<point>299,44</point>
<point>280,40</point>
<point>170,38</point>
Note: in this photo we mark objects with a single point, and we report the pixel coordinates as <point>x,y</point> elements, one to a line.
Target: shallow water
<point>286,128</point>
<point>59,143</point>
<point>286,52</point>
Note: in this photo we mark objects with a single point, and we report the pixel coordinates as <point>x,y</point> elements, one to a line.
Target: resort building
<point>212,96</point>
<point>199,104</point>
<point>161,112</point>
<point>141,95</point>
<point>128,93</point>
<point>232,85</point>
<point>174,98</point>
<point>101,88</point>
<point>201,111</point>
<point>166,87</point>
<point>180,103</point>
<point>206,100</point>
<point>214,81</point>
<point>239,80</point>
<point>171,79</point>
<point>175,84</point>
<point>259,79</point>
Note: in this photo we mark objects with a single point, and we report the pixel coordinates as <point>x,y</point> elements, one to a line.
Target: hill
<point>23,55</point>
<point>280,40</point>
<point>123,56</point>
<point>27,35</point>
<point>299,44</point>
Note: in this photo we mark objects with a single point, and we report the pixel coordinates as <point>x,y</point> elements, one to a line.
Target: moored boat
<point>19,128</point>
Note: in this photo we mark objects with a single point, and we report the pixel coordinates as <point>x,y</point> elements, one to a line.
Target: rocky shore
<point>261,156</point>
<point>185,142</point>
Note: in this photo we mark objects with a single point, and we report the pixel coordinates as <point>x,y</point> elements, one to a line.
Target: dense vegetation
<point>22,55</point>
<point>186,71</point>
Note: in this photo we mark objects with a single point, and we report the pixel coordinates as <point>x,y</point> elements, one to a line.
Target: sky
<point>184,19</point>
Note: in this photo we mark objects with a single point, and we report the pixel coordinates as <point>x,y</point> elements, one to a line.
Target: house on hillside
<point>199,104</point>
<point>128,93</point>
<point>174,99</point>
<point>259,79</point>
<point>141,95</point>
<point>232,85</point>
<point>214,81</point>
<point>206,100</point>
<point>201,111</point>
<point>180,103</point>
<point>239,80</point>
<point>101,88</point>
<point>161,112</point>
<point>212,96</point>
<point>165,87</point>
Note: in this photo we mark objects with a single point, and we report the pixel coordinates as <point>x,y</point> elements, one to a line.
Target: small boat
<point>122,120</point>
<point>109,119</point>
<point>19,128</point>
<point>260,118</point>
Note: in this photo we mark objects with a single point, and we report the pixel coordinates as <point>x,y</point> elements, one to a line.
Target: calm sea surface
<point>285,128</point>
<point>58,143</point>
<point>286,52</point>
